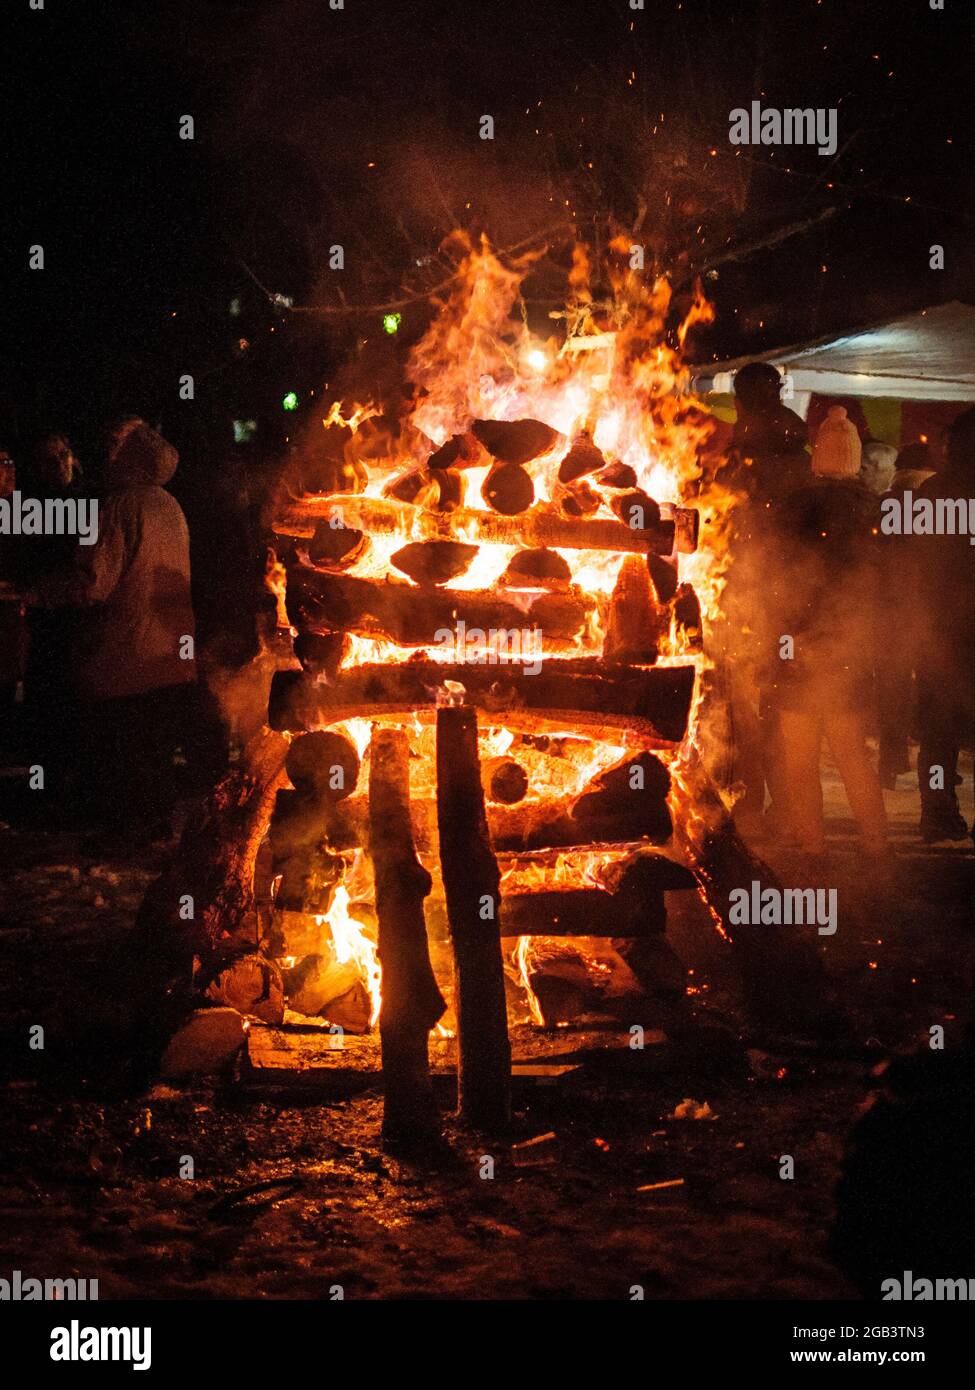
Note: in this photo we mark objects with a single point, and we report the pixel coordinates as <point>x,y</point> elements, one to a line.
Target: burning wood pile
<point>496,596</point>
<point>502,607</point>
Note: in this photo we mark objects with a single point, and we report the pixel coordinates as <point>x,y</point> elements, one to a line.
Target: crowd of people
<point>836,630</point>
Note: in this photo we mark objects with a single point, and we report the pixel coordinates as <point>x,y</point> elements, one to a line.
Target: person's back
<point>136,663</point>
<point>135,581</point>
<point>942,569</point>
<point>769,453</point>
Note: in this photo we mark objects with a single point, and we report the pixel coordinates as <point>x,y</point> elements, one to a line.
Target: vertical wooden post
<point>471,885</point>
<point>412,1001</point>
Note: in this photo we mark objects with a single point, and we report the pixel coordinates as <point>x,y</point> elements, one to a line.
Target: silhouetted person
<point>896,661</point>
<point>768,459</point>
<point>136,665</point>
<point>50,694</point>
<point>943,570</point>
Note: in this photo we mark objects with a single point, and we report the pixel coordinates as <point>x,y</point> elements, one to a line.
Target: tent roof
<point>925,356</point>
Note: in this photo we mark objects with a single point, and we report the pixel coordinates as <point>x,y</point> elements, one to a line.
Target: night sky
<point>359,126</point>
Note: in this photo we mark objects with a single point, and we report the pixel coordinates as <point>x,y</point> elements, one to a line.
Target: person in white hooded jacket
<point>135,665</point>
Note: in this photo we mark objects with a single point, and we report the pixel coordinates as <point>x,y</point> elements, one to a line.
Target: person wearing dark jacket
<point>768,458</point>
<point>136,668</point>
<point>943,573</point>
<point>50,696</point>
<point>896,661</point>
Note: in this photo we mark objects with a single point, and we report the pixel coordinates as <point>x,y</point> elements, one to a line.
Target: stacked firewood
<point>598,677</point>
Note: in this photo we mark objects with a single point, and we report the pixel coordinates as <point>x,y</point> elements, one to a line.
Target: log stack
<point>442,598</point>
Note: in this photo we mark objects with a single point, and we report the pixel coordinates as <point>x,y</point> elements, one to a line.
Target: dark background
<point>359,126</point>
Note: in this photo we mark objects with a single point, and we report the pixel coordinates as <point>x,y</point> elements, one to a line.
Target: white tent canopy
<point>925,356</point>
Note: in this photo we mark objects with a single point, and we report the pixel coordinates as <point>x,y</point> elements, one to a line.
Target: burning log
<point>324,769</point>
<point>309,873</point>
<point>434,562</point>
<point>634,621</point>
<point>687,527</point>
<point>637,510</point>
<point>516,441</point>
<point>251,985</point>
<point>414,618</point>
<point>537,568</point>
<point>654,701</point>
<point>630,904</point>
<point>579,499</point>
<point>323,766</point>
<point>415,486</point>
<point>626,802</point>
<point>687,610</point>
<point>335,547</point>
<point>663,577</point>
<point>382,516</point>
<point>581,459</point>
<point>508,489</point>
<point>506,781</point>
<point>617,475</point>
<point>582,912</point>
<point>460,451</point>
<point>471,886</point>
<point>442,489</point>
<point>322,986</point>
<point>411,1000</point>
<point>451,487</point>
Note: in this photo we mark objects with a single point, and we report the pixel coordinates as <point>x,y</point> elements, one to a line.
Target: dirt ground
<point>292,1196</point>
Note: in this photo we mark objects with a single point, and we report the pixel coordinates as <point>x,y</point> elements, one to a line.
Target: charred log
<point>434,562</point>
<point>533,568</point>
<point>634,621</point>
<point>653,701</point>
<point>508,489</point>
<point>516,441</point>
<point>471,885</point>
<point>506,781</point>
<point>391,608</point>
<point>411,1002</point>
<point>581,459</point>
